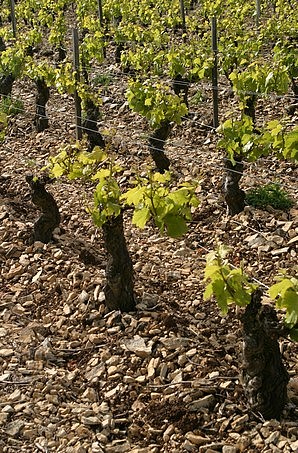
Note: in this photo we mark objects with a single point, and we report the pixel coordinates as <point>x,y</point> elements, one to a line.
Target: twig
<point>77,350</point>
<point>169,385</point>
<point>16,382</point>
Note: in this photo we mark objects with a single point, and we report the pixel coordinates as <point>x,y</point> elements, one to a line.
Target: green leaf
<point>208,293</point>
<point>176,225</point>
<point>180,196</point>
<point>162,177</point>
<point>134,196</point>
<point>294,334</point>
<point>57,171</point>
<point>141,216</point>
<point>75,174</point>
<point>112,209</point>
<point>103,173</point>
<point>220,293</point>
<point>98,217</point>
<point>98,154</point>
<point>211,270</point>
<point>290,302</point>
<point>278,289</point>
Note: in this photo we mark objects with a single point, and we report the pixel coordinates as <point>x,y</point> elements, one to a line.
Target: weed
<point>197,98</point>
<point>102,79</point>
<point>11,107</point>
<point>3,125</point>
<point>270,194</point>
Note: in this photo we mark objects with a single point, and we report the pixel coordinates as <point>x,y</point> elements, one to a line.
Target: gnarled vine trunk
<point>119,270</point>
<point>61,53</point>
<point>6,83</point>
<point>2,44</point>
<point>234,196</point>
<point>265,377</point>
<point>50,216</point>
<point>156,146</point>
<point>90,126</point>
<point>294,106</point>
<point>43,94</point>
<point>181,87</point>
<point>6,80</point>
<point>250,107</point>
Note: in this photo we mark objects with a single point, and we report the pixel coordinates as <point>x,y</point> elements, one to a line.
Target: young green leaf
<point>141,216</point>
<point>175,224</point>
<point>280,288</point>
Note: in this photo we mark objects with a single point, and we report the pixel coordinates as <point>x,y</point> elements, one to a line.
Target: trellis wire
<point>204,248</point>
<point>186,118</point>
<point>206,85</point>
<point>171,144</point>
<point>178,146</point>
<point>214,87</point>
<point>204,125</point>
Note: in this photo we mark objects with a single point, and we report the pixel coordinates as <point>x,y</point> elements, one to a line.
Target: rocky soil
<point>166,378</point>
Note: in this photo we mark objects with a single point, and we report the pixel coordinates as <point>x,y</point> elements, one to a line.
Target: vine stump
<point>90,126</point>
<point>156,147</point>
<point>119,270</point>
<point>50,216</point>
<point>234,196</point>
<point>265,377</point>
<point>43,94</point>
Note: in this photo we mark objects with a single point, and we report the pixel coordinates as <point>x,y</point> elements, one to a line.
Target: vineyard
<point>149,226</point>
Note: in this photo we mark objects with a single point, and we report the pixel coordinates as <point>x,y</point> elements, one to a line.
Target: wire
<point>219,87</point>
<point>171,144</point>
<point>200,245</point>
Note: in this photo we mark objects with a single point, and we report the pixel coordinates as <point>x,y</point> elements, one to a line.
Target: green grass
<point>269,195</point>
<point>3,125</point>
<point>197,98</point>
<point>102,79</point>
<point>11,107</point>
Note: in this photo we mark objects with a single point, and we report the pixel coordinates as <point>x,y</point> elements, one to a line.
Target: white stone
<point>138,346</point>
<point>204,402</point>
<point>195,439</point>
<point>6,352</point>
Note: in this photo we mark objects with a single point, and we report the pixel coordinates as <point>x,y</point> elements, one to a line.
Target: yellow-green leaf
<point>141,216</point>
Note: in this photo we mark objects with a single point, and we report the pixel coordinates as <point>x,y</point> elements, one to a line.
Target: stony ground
<point>166,378</point>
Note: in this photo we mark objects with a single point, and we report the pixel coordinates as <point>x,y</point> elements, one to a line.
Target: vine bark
<point>156,146</point>
<point>118,290</point>
<point>50,216</point>
<point>265,377</point>
<point>234,196</point>
<point>43,94</point>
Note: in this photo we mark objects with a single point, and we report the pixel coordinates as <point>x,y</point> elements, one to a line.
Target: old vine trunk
<point>265,377</point>
<point>156,146</point>
<point>43,94</point>
<point>250,107</point>
<point>6,80</point>
<point>234,196</point>
<point>50,216</point>
<point>90,126</point>
<point>119,270</point>
<point>181,87</point>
